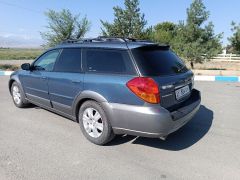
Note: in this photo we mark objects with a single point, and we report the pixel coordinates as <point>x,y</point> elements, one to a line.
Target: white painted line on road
<point>204,78</point>
<point>8,73</point>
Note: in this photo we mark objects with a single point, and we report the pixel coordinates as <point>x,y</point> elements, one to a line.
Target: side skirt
<point>53,110</point>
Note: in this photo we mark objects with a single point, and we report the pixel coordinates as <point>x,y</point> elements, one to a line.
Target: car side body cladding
<point>124,118</point>
<point>151,121</point>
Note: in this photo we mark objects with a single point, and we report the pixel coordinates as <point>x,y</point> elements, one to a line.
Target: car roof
<point>107,43</point>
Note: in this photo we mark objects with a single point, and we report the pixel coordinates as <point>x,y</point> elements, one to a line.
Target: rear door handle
<point>76,81</point>
<point>44,77</point>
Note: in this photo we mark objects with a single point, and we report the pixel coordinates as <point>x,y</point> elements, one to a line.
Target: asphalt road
<point>38,144</point>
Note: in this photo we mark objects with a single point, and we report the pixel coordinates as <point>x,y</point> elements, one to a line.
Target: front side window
<point>108,61</point>
<point>69,61</point>
<point>46,61</point>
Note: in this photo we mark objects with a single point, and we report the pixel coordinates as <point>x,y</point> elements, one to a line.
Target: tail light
<point>145,88</point>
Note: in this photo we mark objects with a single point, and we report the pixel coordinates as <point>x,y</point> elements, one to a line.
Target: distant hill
<point>19,42</point>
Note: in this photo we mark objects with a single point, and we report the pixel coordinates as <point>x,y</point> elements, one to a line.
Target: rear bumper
<point>153,121</point>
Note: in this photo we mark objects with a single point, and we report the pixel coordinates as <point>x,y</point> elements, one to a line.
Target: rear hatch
<point>168,70</point>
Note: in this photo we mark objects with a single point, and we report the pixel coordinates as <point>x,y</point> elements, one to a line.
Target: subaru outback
<point>110,86</point>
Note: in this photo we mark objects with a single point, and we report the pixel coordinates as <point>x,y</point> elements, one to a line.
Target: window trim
<point>84,63</point>
<point>32,64</point>
<point>81,61</point>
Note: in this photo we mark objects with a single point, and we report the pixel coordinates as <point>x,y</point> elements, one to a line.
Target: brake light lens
<point>145,88</point>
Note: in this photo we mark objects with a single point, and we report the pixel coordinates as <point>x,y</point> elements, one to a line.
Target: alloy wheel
<point>92,122</point>
<point>16,95</point>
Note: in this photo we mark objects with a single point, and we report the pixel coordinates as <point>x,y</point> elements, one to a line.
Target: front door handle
<point>44,78</point>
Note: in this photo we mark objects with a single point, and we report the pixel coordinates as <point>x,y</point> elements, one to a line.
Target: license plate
<point>182,92</point>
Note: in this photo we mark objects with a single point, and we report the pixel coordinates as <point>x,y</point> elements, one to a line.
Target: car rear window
<point>157,61</point>
<point>108,61</point>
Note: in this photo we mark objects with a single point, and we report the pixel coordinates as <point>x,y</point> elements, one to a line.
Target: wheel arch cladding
<point>86,96</point>
<point>16,79</point>
<point>13,79</point>
<point>10,84</point>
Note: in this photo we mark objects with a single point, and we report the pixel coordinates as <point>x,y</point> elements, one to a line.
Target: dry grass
<point>215,65</point>
<point>19,54</point>
<point>9,67</point>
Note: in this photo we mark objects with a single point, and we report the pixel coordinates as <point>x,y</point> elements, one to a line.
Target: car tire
<point>18,96</point>
<point>94,123</point>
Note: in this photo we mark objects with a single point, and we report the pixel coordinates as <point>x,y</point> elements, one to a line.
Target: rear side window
<point>108,61</point>
<point>156,61</point>
<point>69,61</point>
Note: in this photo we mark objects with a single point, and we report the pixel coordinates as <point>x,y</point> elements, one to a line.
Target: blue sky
<point>22,20</point>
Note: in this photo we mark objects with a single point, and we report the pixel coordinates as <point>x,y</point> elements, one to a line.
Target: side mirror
<point>26,66</point>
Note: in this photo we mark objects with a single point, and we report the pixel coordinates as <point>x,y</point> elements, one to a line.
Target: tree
<point>235,39</point>
<point>128,22</point>
<point>164,32</point>
<point>196,42</point>
<point>64,25</point>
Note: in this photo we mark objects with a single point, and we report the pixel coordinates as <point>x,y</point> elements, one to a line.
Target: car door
<point>35,81</point>
<point>66,80</point>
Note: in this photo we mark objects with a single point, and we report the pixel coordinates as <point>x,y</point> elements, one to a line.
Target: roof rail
<point>71,41</point>
<point>104,39</point>
<point>125,39</point>
<point>82,40</point>
<point>117,38</point>
<point>109,38</point>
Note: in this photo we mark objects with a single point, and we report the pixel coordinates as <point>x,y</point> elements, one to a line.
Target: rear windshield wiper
<point>181,68</point>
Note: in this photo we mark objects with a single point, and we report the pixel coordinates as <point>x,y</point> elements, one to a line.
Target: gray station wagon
<point>110,86</point>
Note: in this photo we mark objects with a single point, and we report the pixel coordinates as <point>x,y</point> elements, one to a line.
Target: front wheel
<point>94,123</point>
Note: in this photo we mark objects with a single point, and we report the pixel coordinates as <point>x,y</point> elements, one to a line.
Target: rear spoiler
<point>154,47</point>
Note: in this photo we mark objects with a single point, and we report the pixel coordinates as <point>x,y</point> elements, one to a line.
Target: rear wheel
<point>94,123</point>
<point>17,95</point>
